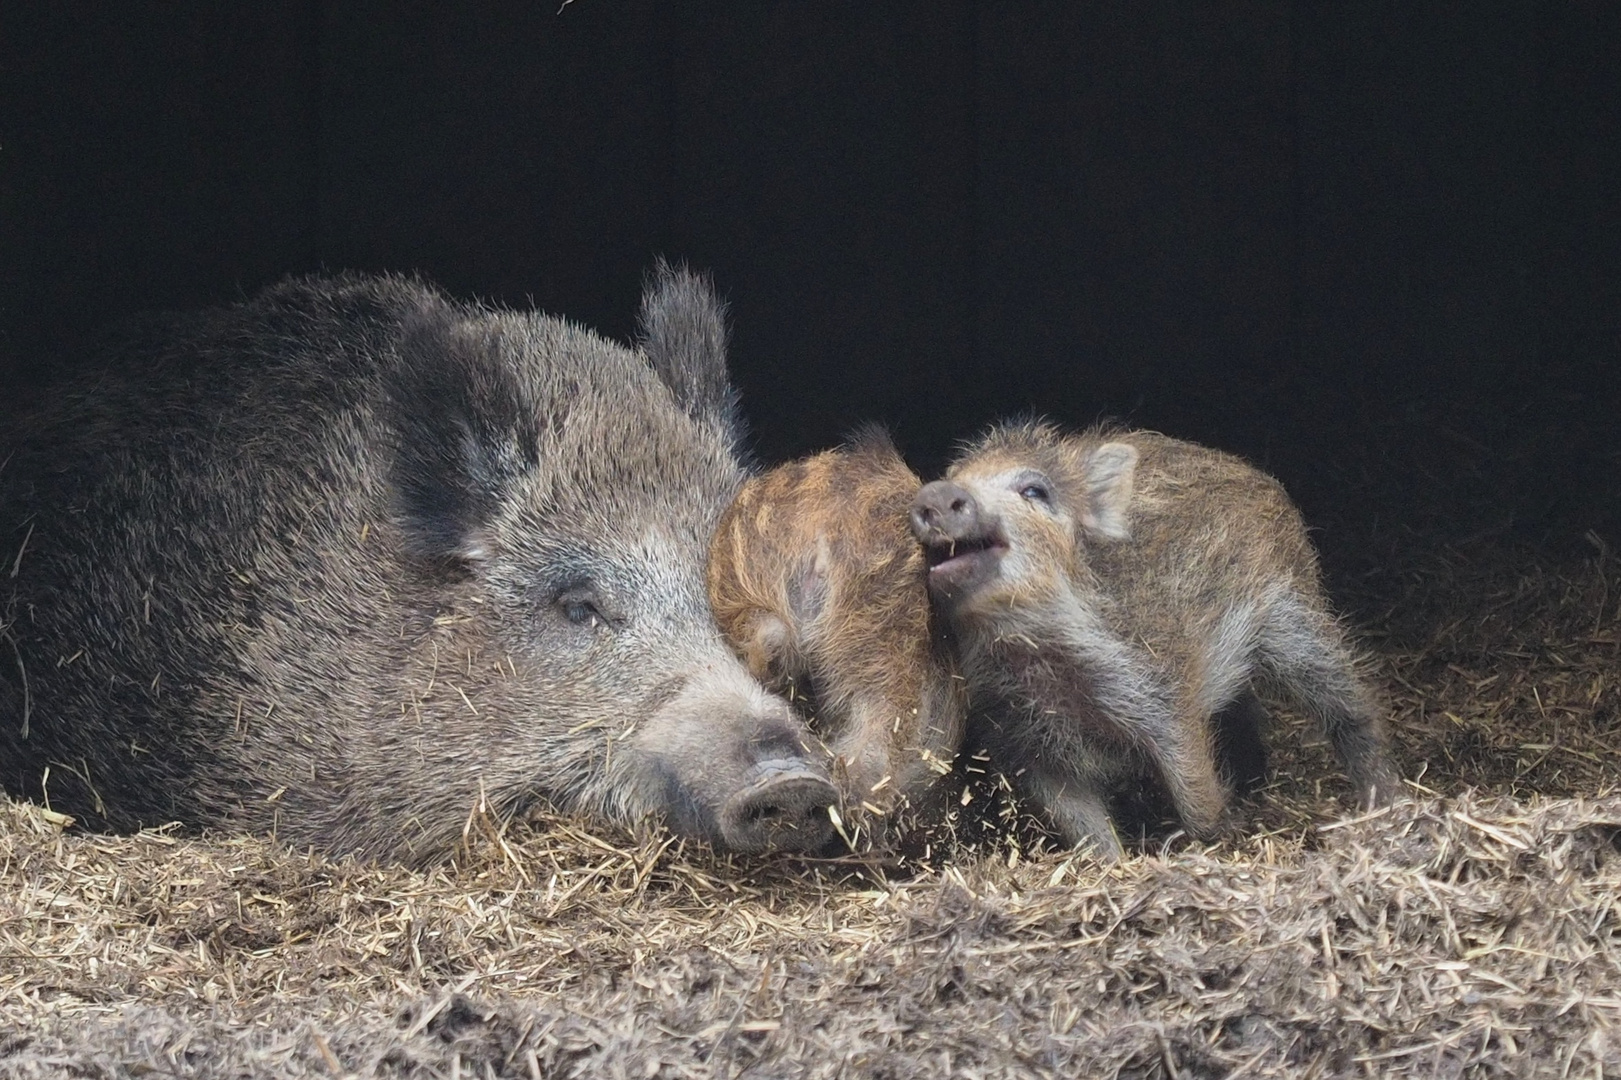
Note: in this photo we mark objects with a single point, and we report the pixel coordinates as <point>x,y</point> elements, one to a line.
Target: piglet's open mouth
<point>957,566</point>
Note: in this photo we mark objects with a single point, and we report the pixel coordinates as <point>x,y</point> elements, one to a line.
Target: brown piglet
<point>1113,594</point>
<point>817,580</point>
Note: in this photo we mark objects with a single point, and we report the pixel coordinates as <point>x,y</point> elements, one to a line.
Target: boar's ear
<point>872,438</point>
<point>682,329</point>
<point>1110,472</point>
<point>462,434</point>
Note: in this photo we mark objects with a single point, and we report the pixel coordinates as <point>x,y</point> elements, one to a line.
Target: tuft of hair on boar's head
<point>1116,597</point>
<point>818,582</point>
<point>350,559</point>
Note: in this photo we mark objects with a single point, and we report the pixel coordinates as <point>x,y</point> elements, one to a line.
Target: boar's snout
<point>733,764</point>
<point>784,807</point>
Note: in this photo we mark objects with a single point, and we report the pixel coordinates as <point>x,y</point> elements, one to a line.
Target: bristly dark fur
<point>682,330</point>
<point>465,432</point>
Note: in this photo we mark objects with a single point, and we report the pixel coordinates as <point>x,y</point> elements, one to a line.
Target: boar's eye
<point>1035,492</point>
<point>579,606</point>
<point>580,611</point>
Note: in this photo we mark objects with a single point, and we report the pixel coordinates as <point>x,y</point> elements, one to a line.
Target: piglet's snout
<point>944,512</point>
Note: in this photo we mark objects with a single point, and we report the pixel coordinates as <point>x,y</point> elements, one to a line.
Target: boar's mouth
<point>958,565</point>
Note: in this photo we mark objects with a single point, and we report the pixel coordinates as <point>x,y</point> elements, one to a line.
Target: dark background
<point>1375,247</point>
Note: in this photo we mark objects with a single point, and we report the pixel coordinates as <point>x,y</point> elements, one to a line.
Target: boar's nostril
<point>765,811</point>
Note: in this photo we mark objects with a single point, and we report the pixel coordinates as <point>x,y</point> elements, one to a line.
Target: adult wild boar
<point>1113,593</point>
<point>341,561</point>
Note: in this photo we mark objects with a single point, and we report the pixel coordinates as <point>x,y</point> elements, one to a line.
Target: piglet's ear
<point>809,585</point>
<point>682,330</point>
<point>1110,471</point>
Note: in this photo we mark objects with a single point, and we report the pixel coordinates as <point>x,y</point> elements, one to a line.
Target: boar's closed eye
<point>582,607</point>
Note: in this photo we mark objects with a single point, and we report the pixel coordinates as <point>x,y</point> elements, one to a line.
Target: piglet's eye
<point>1036,493</point>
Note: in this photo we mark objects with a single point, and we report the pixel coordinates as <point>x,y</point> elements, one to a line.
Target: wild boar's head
<point>577,498</point>
<point>349,559</point>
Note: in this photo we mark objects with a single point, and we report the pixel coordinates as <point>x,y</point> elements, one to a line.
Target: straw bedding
<point>1473,930</point>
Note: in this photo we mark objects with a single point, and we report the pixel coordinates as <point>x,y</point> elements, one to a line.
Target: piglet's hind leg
<point>1303,649</point>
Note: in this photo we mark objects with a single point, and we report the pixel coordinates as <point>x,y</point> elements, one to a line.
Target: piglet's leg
<point>1182,747</point>
<point>901,716</point>
<point>1303,648</point>
<point>1176,734</point>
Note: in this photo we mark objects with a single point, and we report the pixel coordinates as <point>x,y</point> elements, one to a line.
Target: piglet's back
<point>1205,529</point>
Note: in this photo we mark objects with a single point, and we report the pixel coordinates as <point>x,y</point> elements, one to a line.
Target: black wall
<point>1336,237</point>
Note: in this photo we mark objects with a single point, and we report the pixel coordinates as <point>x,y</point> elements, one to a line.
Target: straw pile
<point>1472,931</point>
